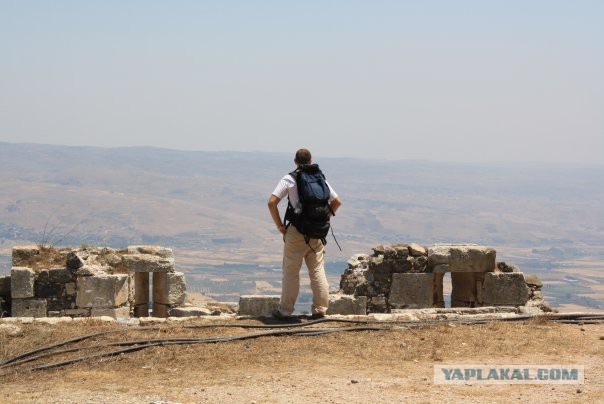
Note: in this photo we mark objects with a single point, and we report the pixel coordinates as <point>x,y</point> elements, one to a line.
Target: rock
<point>116,313</point>
<point>148,263</point>
<point>23,255</point>
<point>28,308</point>
<point>347,304</point>
<point>411,291</point>
<point>22,283</point>
<point>12,330</point>
<point>416,250</point>
<point>53,320</point>
<point>102,291</point>
<point>151,249</point>
<point>189,312</point>
<point>258,305</point>
<point>461,258</point>
<point>76,259</point>
<point>533,280</point>
<point>5,286</point>
<point>503,267</point>
<point>505,288</point>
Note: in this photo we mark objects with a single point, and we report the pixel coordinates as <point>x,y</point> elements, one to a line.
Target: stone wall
<point>405,276</point>
<point>91,281</point>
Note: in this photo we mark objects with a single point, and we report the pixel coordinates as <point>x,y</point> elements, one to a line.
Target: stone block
<point>347,304</point>
<point>102,291</point>
<point>412,291</point>
<point>151,249</point>
<point>160,310</point>
<point>60,275</point>
<point>160,287</point>
<point>70,289</point>
<point>22,283</point>
<point>22,255</point>
<point>438,292</point>
<point>147,263</point>
<point>28,308</point>
<point>461,258</point>
<point>5,286</point>
<point>189,311</point>
<point>505,289</point>
<point>258,305</point>
<point>177,288</point>
<point>117,312</point>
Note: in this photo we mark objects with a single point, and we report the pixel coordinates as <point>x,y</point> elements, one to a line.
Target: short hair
<point>303,156</point>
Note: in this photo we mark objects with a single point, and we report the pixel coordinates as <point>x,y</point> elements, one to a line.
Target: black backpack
<point>311,218</point>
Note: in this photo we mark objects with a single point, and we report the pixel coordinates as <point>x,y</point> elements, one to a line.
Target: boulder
<point>461,258</point>
<point>28,308</point>
<point>347,304</point>
<point>102,291</point>
<point>258,305</point>
<point>22,283</point>
<point>76,259</point>
<point>147,263</point>
<point>411,291</point>
<point>505,288</point>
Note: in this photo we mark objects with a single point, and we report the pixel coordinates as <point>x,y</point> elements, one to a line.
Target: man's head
<point>303,157</point>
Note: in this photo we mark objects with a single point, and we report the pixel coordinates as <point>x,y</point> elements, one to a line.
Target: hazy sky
<point>439,80</point>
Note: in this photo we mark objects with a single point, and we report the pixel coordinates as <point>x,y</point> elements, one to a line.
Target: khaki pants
<point>294,252</point>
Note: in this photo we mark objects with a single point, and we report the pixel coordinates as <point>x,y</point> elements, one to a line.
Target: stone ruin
<point>410,276</point>
<point>91,281</point>
<point>94,282</point>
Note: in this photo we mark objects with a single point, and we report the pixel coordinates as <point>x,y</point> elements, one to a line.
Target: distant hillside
<point>200,199</point>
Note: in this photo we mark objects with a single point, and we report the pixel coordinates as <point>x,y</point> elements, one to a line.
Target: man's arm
<point>335,204</point>
<point>273,203</point>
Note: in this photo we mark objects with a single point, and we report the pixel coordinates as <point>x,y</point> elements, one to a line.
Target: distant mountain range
<point>215,202</point>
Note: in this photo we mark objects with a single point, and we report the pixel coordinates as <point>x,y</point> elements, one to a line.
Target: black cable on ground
<point>573,318</point>
<point>133,346</point>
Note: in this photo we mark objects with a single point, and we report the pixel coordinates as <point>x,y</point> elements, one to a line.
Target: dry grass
<point>379,354</point>
<point>49,257</point>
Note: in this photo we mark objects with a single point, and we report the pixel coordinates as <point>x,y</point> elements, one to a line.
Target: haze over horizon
<point>459,82</point>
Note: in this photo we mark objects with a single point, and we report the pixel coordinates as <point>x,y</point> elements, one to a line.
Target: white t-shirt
<point>287,186</point>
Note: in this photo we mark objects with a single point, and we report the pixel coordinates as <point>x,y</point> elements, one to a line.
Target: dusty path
<point>376,366</point>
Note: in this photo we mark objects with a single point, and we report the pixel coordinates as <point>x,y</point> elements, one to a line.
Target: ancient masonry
<point>90,281</point>
<point>410,276</point>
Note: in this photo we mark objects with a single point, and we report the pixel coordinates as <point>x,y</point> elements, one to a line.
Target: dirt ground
<point>367,366</point>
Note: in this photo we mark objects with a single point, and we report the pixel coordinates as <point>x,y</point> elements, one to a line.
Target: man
<point>298,247</point>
